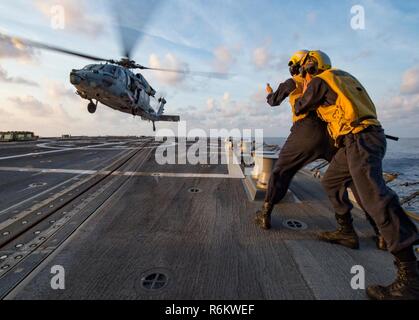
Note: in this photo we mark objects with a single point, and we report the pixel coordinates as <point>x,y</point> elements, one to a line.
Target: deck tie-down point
<point>194,190</point>
<point>294,224</point>
<point>154,281</point>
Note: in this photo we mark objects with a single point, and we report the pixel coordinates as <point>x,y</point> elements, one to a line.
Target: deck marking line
<point>56,150</point>
<point>234,168</point>
<point>234,175</point>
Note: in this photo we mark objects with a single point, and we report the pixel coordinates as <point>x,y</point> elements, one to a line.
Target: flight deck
<point>124,227</point>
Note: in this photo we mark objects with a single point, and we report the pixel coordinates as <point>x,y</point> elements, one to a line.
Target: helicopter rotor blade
<point>38,45</point>
<point>131,19</point>
<point>216,75</point>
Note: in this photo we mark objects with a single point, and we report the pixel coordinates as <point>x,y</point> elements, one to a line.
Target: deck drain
<point>194,190</point>
<point>295,224</point>
<point>156,174</point>
<point>154,281</point>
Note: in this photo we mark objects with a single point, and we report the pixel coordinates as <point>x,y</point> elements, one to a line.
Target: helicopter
<point>114,84</point>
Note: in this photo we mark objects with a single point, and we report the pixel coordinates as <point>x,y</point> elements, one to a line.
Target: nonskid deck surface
<point>155,233</point>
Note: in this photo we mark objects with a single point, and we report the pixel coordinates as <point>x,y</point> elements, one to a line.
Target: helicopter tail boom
<point>169,118</point>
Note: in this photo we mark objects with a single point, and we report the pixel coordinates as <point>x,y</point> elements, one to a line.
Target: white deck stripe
<point>233,175</point>
<point>234,168</point>
<point>59,150</point>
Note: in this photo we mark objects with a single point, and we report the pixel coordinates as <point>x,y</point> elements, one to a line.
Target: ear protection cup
<point>312,68</point>
<point>295,69</point>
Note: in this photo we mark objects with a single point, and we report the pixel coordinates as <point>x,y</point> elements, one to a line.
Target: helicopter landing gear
<point>91,107</point>
<point>154,126</point>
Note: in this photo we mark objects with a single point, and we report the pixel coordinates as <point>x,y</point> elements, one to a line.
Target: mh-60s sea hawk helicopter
<point>113,84</point>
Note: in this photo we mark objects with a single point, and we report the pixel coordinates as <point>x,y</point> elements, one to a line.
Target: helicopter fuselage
<point>118,88</point>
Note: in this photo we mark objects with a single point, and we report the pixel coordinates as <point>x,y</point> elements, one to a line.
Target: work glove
<point>269,89</point>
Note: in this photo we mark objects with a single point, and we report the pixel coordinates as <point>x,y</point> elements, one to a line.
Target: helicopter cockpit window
<point>90,67</point>
<point>110,69</point>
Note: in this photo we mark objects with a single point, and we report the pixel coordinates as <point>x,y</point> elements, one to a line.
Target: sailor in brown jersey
<point>342,101</point>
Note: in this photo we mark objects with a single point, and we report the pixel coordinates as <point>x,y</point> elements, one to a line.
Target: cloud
<point>13,49</point>
<point>224,59</point>
<point>410,81</point>
<point>312,17</point>
<point>4,114</point>
<point>399,107</point>
<point>229,113</point>
<point>58,91</point>
<point>212,105</point>
<point>4,77</point>
<point>77,15</point>
<point>261,57</point>
<point>30,106</point>
<point>400,111</point>
<point>170,61</point>
<point>260,95</point>
<point>27,113</point>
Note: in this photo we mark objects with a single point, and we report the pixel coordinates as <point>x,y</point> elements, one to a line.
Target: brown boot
<point>345,235</point>
<point>406,286</point>
<point>380,243</point>
<point>263,216</point>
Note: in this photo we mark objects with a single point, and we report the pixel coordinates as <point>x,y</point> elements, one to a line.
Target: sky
<point>251,40</point>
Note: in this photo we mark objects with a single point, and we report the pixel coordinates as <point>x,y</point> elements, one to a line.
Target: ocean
<point>402,158</point>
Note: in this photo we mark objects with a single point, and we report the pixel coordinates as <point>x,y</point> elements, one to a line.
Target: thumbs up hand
<point>269,89</point>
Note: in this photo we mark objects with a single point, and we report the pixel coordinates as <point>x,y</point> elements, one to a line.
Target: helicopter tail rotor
<point>162,104</point>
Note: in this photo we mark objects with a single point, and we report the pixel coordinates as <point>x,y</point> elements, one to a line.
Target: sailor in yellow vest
<point>340,100</point>
<point>298,151</point>
<point>307,142</point>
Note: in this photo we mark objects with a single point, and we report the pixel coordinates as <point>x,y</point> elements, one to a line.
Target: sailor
<point>340,100</point>
<point>308,142</point>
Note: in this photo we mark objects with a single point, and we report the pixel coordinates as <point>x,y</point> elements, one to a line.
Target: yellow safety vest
<point>297,93</point>
<point>354,110</point>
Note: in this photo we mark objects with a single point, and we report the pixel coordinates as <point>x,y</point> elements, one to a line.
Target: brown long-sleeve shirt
<point>318,94</point>
<point>283,92</point>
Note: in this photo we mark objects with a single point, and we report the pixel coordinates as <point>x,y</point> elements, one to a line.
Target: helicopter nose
<point>75,78</point>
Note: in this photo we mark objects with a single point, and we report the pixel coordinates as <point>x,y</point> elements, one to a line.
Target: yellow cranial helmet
<point>295,61</point>
<point>297,57</point>
<point>316,61</point>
